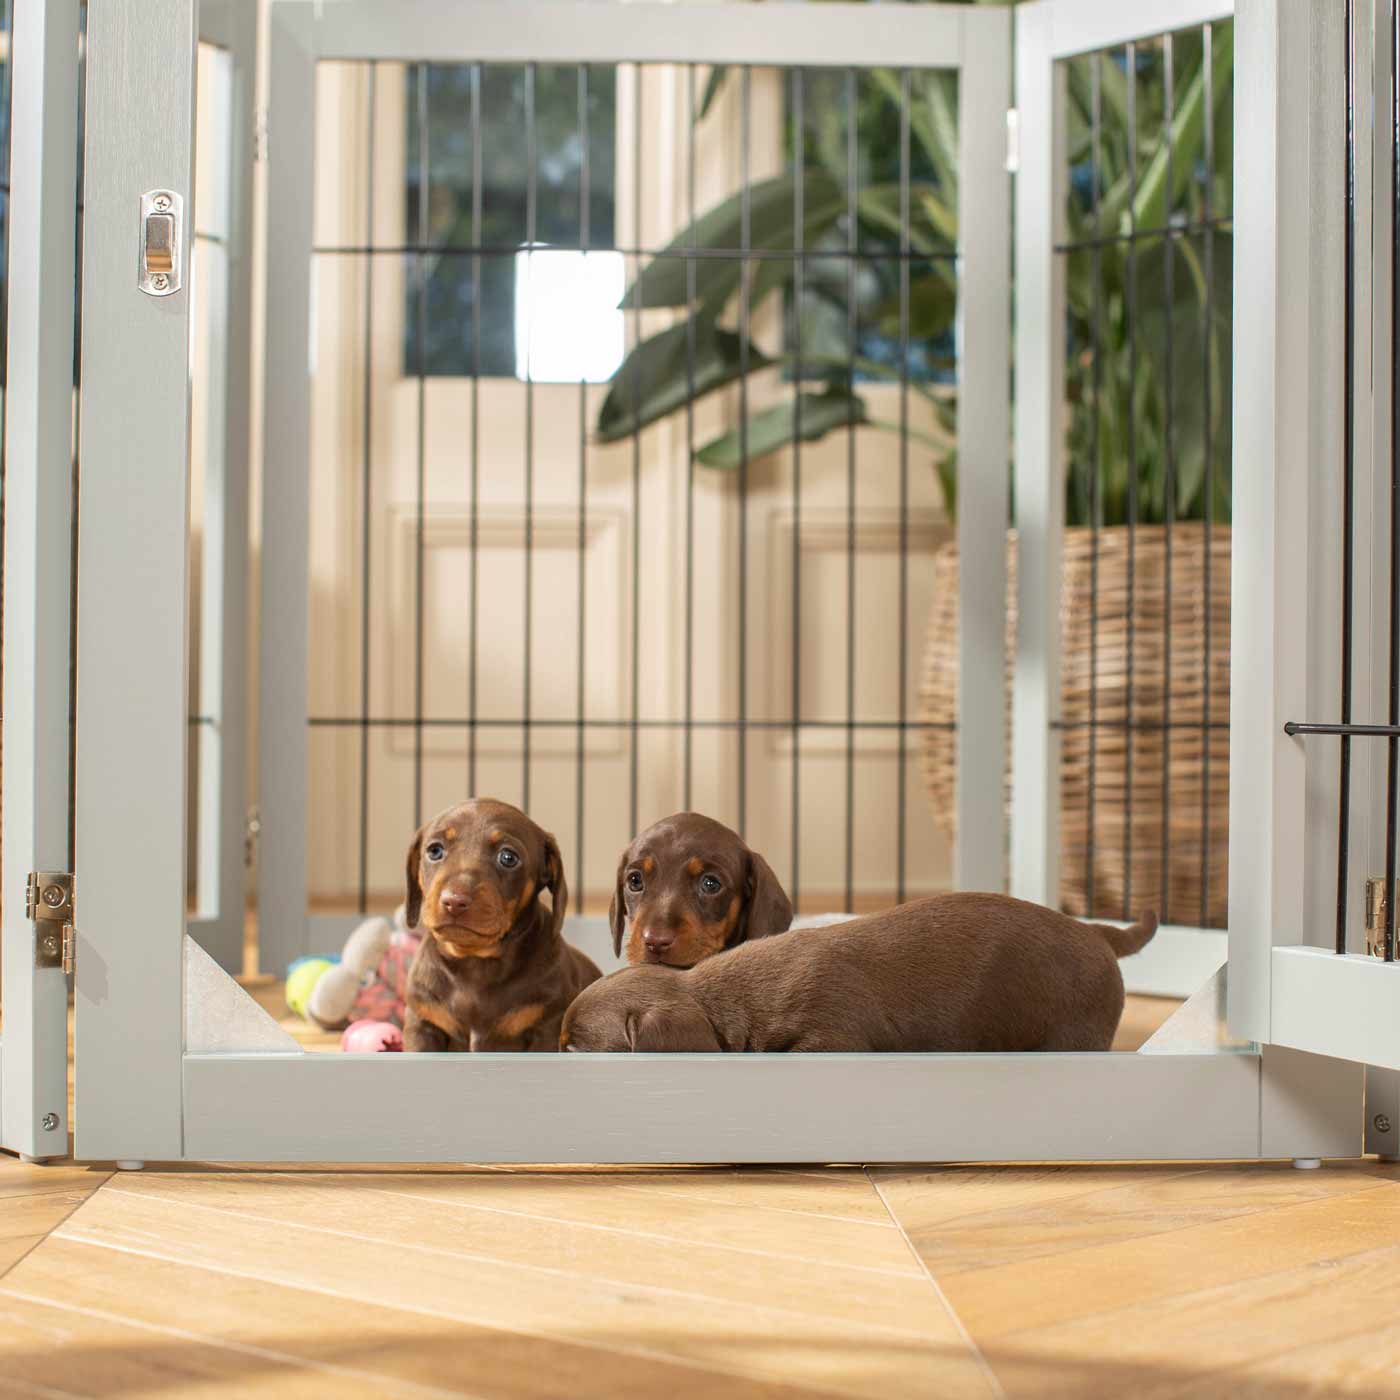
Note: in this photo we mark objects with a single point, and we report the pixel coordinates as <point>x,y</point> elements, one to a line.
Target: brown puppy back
<point>492,972</point>
<point>953,973</point>
<point>687,888</point>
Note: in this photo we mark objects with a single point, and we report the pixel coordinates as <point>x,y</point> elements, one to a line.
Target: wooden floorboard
<point>535,1283</point>
<point>1170,1282</point>
<point>35,1200</point>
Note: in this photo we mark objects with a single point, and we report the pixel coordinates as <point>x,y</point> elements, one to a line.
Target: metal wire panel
<point>759,514</point>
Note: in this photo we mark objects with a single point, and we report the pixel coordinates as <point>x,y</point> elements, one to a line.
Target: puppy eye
<point>507,859</point>
<point>710,884</point>
<point>634,881</point>
<point>435,850</point>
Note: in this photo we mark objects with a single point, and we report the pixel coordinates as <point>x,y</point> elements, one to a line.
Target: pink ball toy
<point>369,1037</point>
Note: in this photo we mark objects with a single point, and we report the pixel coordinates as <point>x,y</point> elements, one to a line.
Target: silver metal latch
<point>49,903</point>
<point>161,272</point>
<point>1375,916</point>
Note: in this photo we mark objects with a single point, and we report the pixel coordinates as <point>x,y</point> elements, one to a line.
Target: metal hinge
<point>1013,141</point>
<point>49,903</point>
<point>1375,916</point>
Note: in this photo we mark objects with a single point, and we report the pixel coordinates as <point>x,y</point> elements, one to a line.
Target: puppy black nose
<point>658,940</point>
<point>454,902</point>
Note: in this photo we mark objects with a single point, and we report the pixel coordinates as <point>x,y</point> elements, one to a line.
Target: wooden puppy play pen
<point>712,560</point>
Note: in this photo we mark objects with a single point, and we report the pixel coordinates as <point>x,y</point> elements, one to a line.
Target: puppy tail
<point>1133,939</point>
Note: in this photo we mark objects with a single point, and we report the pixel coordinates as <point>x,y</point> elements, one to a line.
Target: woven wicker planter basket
<point>1188,761</point>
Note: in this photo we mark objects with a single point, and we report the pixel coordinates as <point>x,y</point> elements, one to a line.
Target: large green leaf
<point>654,380</point>
<point>1173,164</point>
<point>772,228</point>
<point>933,303</point>
<point>933,226</point>
<point>806,417</point>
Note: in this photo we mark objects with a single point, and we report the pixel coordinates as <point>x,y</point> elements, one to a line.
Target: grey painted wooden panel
<point>1310,1106</point>
<point>720,1108</point>
<point>37,554</point>
<point>1083,26</point>
<point>563,31</point>
<point>286,504</point>
<point>133,592</point>
<point>984,467</point>
<point>223,741</point>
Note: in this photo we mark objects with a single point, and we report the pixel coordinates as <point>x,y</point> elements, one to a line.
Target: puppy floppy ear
<point>413,901</point>
<point>767,909</point>
<point>617,910</point>
<point>553,880</point>
<point>674,1030</point>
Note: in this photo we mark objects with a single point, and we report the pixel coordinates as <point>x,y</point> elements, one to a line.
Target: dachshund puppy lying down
<point>492,972</point>
<point>688,887</point>
<point>956,972</point>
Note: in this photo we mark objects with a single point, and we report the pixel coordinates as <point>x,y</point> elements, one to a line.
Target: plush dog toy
<point>367,981</point>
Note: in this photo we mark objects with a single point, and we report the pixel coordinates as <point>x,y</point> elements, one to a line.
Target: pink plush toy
<point>368,982</point>
<point>371,1037</point>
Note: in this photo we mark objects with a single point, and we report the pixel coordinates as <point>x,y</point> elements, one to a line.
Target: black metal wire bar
<point>1208,446</point>
<point>634,766</point>
<point>1348,480</point>
<point>528,601</point>
<point>1169,487</point>
<point>1393,710</point>
<point>906,102</point>
<point>585,195</point>
<point>690,351</point>
<point>798,118</point>
<point>1306,729</point>
<point>1179,229</point>
<point>852,336</point>
<point>745,288</point>
<point>679,252</point>
<point>420,336</point>
<point>1130,318</point>
<point>1095,508</point>
<point>884,726</point>
<point>367,494</point>
<point>474,527</point>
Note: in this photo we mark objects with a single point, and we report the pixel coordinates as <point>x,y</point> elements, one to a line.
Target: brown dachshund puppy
<point>492,972</point>
<point>957,972</point>
<point>690,888</point>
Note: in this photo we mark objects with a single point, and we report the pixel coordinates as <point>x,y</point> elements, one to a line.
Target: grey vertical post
<point>38,552</point>
<point>133,592</point>
<point>284,622</point>
<point>223,783</point>
<point>1040,378</point>
<point>984,449</point>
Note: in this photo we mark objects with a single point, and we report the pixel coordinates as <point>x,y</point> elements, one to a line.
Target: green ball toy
<point>302,978</point>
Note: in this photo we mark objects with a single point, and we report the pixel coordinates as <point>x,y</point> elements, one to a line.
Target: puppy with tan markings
<point>957,972</point>
<point>688,887</point>
<point>493,972</point>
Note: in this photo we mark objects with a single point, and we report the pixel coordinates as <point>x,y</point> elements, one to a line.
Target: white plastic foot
<point>1307,1164</point>
<point>130,1164</point>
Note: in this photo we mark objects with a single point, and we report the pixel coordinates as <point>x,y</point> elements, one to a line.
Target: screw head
<point>161,201</point>
<point>49,1122</point>
<point>1381,1123</point>
<point>50,943</point>
<point>160,281</point>
<point>53,895</point>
